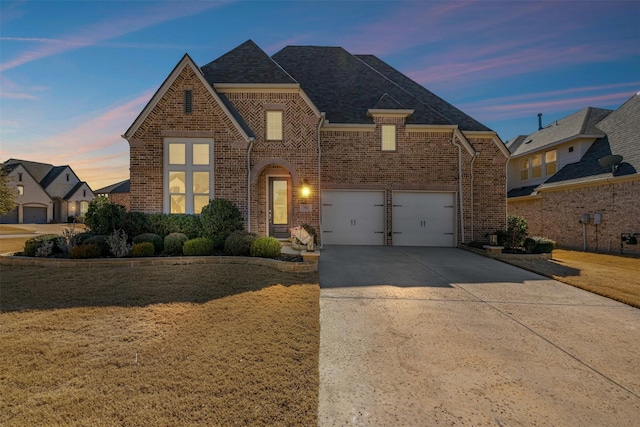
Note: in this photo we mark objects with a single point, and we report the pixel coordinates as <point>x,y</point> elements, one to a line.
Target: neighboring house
<point>316,135</point>
<point>557,180</point>
<point>117,193</point>
<point>45,193</point>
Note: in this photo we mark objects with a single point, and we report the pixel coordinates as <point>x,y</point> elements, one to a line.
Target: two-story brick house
<point>384,161</point>
<point>577,179</point>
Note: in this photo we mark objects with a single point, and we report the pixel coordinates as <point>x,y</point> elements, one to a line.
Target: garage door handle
<point>397,232</point>
<point>378,232</point>
<point>396,206</point>
<point>448,234</point>
<point>327,231</point>
<point>378,205</point>
<point>327,204</point>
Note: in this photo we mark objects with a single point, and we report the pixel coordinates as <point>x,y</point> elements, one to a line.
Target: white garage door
<point>353,217</point>
<point>423,219</point>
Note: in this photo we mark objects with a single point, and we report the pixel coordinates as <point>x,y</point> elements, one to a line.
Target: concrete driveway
<point>439,336</point>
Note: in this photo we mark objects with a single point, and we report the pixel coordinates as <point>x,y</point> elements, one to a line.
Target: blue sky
<point>75,74</point>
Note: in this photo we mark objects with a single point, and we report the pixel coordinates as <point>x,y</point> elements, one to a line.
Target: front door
<point>279,207</point>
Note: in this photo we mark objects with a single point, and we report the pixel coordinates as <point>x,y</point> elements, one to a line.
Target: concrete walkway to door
<point>441,336</point>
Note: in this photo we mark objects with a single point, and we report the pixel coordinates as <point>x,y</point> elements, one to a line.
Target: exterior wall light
<point>305,190</point>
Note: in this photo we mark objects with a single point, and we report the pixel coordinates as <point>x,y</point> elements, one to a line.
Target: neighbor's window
<point>84,207</point>
<point>524,169</point>
<point>274,125</point>
<point>550,163</point>
<point>388,137</point>
<point>188,174</point>
<point>20,190</point>
<point>188,101</point>
<point>536,166</point>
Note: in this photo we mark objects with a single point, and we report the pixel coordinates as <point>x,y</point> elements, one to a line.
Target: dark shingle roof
<point>522,191</point>
<point>246,63</point>
<point>622,128</point>
<point>119,187</point>
<point>345,87</point>
<point>582,122</point>
<point>37,170</point>
<point>52,175</point>
<point>74,189</point>
<point>387,102</point>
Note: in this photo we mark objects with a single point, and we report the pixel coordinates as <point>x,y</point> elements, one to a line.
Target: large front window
<point>188,174</point>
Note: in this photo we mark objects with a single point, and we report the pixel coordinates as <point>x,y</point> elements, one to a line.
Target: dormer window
<point>274,125</point>
<point>388,137</point>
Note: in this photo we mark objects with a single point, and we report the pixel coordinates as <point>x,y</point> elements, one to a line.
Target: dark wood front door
<point>279,207</point>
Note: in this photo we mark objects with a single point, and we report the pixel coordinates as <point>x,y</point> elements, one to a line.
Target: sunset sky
<point>75,74</point>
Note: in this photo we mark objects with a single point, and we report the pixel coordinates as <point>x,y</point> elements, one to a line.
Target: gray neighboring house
<point>557,181</point>
<point>45,193</point>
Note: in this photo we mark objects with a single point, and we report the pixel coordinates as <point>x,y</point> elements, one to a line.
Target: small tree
<point>103,216</point>
<point>219,219</point>
<point>7,194</point>
<point>517,230</point>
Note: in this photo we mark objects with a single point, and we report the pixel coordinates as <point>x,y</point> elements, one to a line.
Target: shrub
<point>80,238</point>
<point>103,216</point>
<point>266,247</point>
<point>219,219</point>
<point>136,223</point>
<point>515,234</point>
<point>539,245</point>
<point>173,243</point>
<point>100,241</point>
<point>239,243</point>
<point>118,244</point>
<point>32,245</point>
<point>45,249</point>
<point>165,224</point>
<point>154,239</point>
<point>85,251</point>
<point>142,249</point>
<point>201,246</point>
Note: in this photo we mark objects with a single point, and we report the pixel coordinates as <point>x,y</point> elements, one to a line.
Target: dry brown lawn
<point>156,346</point>
<point>616,277</point>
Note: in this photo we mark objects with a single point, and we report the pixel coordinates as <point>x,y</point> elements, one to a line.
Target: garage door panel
<point>423,219</point>
<point>10,217</point>
<point>353,217</point>
<point>34,215</point>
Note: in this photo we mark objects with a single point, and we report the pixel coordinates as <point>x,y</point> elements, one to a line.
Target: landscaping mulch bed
<point>158,345</point>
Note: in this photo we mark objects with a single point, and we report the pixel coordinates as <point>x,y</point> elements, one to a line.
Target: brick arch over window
<point>255,172</point>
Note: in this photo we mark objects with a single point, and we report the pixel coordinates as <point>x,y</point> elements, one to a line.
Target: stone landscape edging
<point>503,256</point>
<point>284,266</point>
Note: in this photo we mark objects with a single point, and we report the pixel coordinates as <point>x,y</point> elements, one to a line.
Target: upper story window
<point>388,137</point>
<point>538,165</point>
<point>274,125</point>
<point>20,177</point>
<point>188,101</point>
<point>84,193</point>
<point>67,177</point>
<point>20,190</point>
<point>188,177</point>
<point>550,163</point>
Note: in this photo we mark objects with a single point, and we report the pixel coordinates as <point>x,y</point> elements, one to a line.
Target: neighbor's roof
<point>346,86</point>
<point>52,175</point>
<point>75,189</point>
<point>118,187</point>
<point>581,123</point>
<point>37,170</point>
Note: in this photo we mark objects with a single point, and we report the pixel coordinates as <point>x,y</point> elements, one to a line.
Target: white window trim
<point>188,168</point>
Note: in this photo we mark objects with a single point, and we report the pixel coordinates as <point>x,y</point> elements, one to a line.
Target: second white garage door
<point>423,219</point>
<point>353,217</point>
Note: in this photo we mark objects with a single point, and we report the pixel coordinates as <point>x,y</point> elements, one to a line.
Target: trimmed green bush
<point>165,224</point>
<point>85,251</point>
<point>100,241</point>
<point>80,238</point>
<point>142,249</point>
<point>513,237</point>
<point>136,223</point>
<point>219,219</point>
<point>202,246</point>
<point>266,247</point>
<point>154,239</point>
<point>539,245</point>
<point>173,243</point>
<point>239,243</point>
<point>103,216</point>
<point>32,245</point>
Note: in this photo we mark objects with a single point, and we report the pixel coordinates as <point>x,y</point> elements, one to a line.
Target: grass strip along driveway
<point>175,345</point>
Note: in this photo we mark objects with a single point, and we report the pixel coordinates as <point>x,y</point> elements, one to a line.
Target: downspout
<point>473,222</point>
<point>251,140</point>
<point>453,141</point>
<point>322,117</point>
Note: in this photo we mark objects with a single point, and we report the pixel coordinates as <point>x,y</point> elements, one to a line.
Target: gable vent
<point>188,101</point>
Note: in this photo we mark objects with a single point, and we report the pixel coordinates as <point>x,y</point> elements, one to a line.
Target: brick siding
<point>556,214</point>
<point>121,199</point>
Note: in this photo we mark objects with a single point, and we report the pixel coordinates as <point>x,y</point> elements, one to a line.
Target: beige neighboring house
<point>318,135</point>
<point>45,193</point>
<point>577,179</point>
<point>117,193</point>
